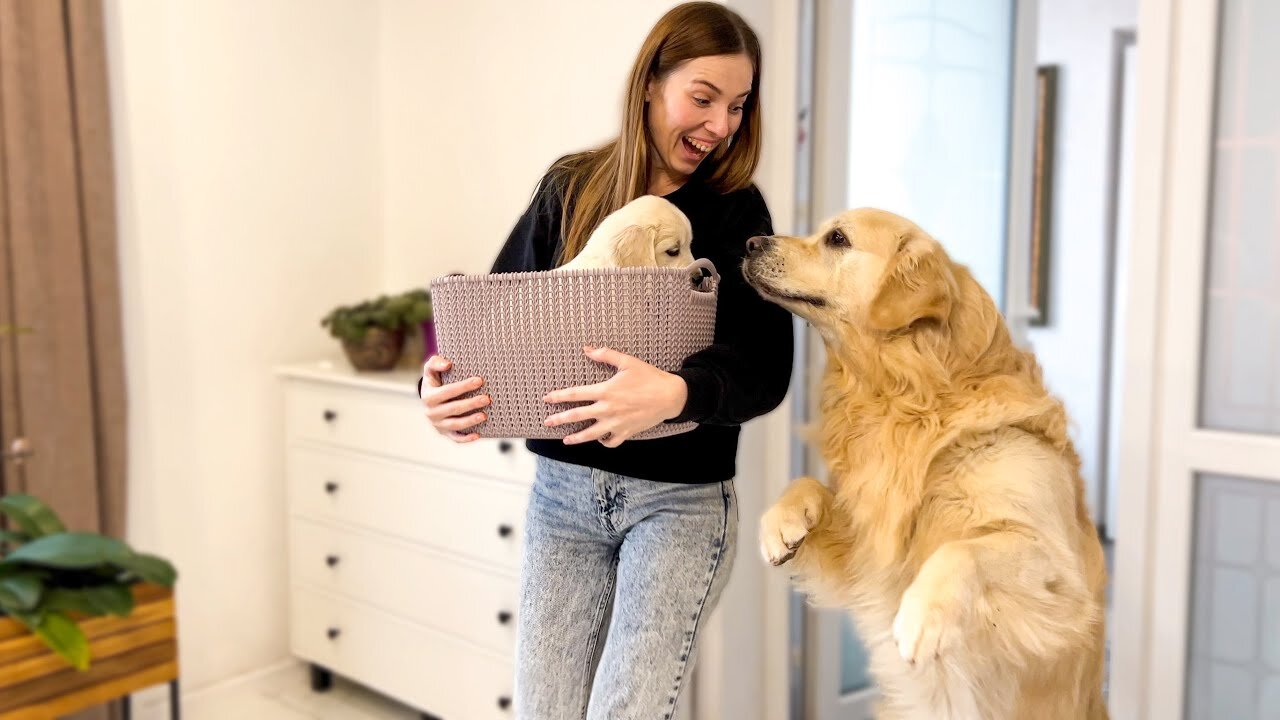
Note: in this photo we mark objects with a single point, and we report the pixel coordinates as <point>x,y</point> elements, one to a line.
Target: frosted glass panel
<point>1240,381</point>
<point>929,121</point>
<point>1234,663</point>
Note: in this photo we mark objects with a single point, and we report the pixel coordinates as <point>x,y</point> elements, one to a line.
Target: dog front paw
<point>925,626</point>
<point>785,525</point>
<point>782,529</point>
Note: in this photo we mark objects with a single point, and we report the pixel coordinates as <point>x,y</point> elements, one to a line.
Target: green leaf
<point>151,568</point>
<point>71,551</point>
<point>13,538</point>
<point>33,517</point>
<point>20,593</point>
<point>109,599</point>
<point>31,619</point>
<point>65,638</point>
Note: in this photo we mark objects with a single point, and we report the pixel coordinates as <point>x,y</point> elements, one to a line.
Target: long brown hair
<point>599,181</point>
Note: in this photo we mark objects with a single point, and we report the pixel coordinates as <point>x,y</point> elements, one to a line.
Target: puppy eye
<point>673,251</point>
<point>837,239</point>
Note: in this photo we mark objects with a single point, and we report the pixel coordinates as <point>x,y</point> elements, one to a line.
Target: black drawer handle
<point>504,702</point>
<point>505,530</point>
<point>333,633</point>
<point>330,415</point>
<point>504,617</point>
<point>331,560</point>
<point>331,487</point>
<point>505,446</point>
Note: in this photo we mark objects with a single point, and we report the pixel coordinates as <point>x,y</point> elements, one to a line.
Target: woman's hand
<point>636,398</point>
<point>450,416</point>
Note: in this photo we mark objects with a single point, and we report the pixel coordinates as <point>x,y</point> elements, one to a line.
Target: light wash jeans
<point>661,552</point>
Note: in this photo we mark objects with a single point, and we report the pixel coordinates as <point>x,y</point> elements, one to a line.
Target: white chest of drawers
<point>404,547</point>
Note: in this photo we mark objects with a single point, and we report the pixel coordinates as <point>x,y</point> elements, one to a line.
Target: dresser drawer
<point>432,671</point>
<point>393,424</point>
<point>468,516</point>
<point>420,586</point>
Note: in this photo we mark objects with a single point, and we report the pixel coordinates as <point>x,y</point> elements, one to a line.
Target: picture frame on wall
<point>1042,192</point>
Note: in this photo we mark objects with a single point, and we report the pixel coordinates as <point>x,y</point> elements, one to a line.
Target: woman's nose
<point>719,123</point>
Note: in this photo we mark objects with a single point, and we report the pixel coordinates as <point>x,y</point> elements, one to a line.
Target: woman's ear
<point>917,285</point>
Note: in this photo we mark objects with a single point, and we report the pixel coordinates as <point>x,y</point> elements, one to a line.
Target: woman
<point>650,526</point>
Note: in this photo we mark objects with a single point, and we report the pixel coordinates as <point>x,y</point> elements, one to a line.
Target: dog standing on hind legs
<point>955,528</point>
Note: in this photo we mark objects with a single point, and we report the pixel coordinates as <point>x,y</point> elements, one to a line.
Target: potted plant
<point>51,577</point>
<point>372,332</point>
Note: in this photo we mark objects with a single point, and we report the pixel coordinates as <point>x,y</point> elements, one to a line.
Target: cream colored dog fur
<point>646,232</point>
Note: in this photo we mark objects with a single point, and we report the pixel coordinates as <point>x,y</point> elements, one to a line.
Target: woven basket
<point>524,333</point>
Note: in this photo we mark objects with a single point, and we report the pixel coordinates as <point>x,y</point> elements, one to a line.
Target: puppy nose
<point>758,244</point>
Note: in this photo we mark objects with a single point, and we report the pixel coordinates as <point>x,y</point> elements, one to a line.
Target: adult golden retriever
<point>954,529</point>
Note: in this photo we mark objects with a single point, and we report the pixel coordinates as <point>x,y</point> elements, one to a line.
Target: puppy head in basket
<point>646,232</point>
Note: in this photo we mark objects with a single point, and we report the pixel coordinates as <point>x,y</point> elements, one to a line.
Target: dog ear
<point>917,285</point>
<point>636,246</point>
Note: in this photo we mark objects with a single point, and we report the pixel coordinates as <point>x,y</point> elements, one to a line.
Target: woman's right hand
<point>449,416</point>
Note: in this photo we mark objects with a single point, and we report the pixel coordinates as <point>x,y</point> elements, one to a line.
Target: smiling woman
<point>650,526</point>
<point>679,108</point>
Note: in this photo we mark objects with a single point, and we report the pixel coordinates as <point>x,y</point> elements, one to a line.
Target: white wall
<point>1077,36</point>
<point>276,159</point>
<point>479,98</point>
<point>247,180</point>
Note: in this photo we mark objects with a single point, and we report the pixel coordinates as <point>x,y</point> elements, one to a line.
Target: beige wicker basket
<point>524,333</point>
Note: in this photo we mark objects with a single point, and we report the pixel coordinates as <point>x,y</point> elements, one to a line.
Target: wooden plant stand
<point>127,654</point>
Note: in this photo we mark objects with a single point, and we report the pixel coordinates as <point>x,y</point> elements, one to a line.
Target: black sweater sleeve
<point>533,242</point>
<point>747,370</point>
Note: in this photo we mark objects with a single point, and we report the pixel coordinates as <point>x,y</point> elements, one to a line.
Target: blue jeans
<point>661,552</point>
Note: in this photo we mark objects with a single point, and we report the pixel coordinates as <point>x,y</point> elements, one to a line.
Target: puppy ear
<point>918,285</point>
<point>636,246</point>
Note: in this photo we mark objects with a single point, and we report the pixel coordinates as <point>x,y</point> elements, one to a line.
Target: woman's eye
<point>736,110</point>
<point>701,102</point>
<point>837,239</point>
<point>673,251</point>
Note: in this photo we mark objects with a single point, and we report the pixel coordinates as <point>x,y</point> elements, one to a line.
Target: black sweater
<point>746,371</point>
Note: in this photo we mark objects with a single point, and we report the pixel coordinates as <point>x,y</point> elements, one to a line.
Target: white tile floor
<point>283,693</point>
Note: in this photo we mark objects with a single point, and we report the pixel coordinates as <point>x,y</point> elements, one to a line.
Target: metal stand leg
<point>126,707</point>
<point>175,697</point>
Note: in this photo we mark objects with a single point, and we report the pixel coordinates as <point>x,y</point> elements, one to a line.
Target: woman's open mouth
<point>695,149</point>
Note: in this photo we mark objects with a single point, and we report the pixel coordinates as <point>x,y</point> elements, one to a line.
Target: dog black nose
<point>758,244</point>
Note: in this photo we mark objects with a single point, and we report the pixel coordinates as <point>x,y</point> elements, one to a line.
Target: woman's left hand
<point>636,398</point>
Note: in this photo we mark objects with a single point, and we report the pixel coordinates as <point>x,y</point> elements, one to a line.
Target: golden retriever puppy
<point>646,232</point>
<point>954,528</point>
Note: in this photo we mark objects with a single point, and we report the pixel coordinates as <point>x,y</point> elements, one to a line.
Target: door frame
<point>1138,459</point>
<point>1162,447</point>
<point>1119,160</point>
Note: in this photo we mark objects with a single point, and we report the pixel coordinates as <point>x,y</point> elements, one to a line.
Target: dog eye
<point>673,251</point>
<point>837,239</point>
